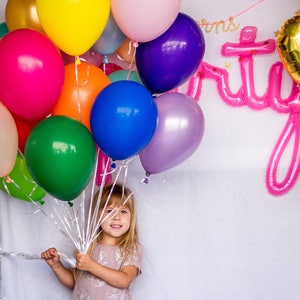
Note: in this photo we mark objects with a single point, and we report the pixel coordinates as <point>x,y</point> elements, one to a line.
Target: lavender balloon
<point>178,133</point>
<point>169,60</point>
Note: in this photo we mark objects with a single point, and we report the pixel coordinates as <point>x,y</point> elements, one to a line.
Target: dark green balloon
<point>61,155</point>
<point>3,29</point>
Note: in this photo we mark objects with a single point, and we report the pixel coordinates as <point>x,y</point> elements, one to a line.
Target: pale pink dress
<point>90,287</point>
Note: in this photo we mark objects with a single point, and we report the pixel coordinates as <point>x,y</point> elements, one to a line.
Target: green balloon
<point>3,29</point>
<point>125,75</point>
<point>19,183</point>
<point>61,154</point>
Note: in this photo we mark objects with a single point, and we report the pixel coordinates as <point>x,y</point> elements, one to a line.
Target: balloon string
<point>135,45</point>
<point>237,15</point>
<point>77,61</point>
<point>26,256</point>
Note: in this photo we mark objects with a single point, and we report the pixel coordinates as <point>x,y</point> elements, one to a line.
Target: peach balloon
<point>82,84</point>
<point>8,141</point>
<point>126,51</point>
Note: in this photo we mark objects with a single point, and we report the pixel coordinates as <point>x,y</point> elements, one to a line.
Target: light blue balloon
<point>111,38</point>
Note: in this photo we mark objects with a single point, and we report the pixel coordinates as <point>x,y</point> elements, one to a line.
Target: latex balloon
<point>74,26</point>
<point>31,74</point>
<point>108,68</point>
<point>24,128</point>
<point>123,119</point>
<point>3,29</point>
<point>103,169</point>
<point>82,84</point>
<point>144,20</point>
<point>8,141</point>
<point>19,183</point>
<point>89,57</point>
<point>124,75</point>
<point>126,51</point>
<point>111,38</point>
<point>22,14</point>
<point>288,41</point>
<point>178,134</point>
<point>61,155</point>
<point>163,67</point>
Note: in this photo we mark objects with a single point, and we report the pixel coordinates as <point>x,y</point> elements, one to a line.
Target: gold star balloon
<point>288,46</point>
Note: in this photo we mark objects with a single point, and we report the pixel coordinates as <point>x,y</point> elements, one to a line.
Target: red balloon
<point>24,128</point>
<point>110,68</point>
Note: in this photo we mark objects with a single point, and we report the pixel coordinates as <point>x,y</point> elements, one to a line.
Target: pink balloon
<point>144,20</point>
<point>103,169</point>
<point>31,74</point>
<point>178,133</point>
<point>8,141</point>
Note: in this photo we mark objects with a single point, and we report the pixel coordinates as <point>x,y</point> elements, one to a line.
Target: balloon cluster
<point>62,112</point>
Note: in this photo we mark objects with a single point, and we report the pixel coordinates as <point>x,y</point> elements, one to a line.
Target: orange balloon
<point>22,14</point>
<point>83,82</point>
<point>126,51</point>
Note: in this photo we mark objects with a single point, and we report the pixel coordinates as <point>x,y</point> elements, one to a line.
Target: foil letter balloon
<point>288,45</point>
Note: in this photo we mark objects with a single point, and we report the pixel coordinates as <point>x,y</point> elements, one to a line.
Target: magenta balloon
<point>178,133</point>
<point>31,74</point>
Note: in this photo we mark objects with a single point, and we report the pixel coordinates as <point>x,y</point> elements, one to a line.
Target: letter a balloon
<point>74,26</point>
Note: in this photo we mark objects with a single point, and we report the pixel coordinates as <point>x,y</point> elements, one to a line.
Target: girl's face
<point>117,223</point>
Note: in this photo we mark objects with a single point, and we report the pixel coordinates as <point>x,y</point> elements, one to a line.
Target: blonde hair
<point>116,194</point>
<point>119,195</point>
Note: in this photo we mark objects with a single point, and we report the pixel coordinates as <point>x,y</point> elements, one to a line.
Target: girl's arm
<point>119,279</point>
<point>64,275</point>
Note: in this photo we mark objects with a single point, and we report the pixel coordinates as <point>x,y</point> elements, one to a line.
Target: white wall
<point>210,228</point>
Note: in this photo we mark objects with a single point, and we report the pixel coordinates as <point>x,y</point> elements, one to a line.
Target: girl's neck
<point>108,241</point>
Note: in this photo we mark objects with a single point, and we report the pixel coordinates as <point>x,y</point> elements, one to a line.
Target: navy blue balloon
<point>123,119</point>
<point>171,59</point>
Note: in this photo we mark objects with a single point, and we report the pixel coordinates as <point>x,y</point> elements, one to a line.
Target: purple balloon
<point>169,60</point>
<point>178,133</point>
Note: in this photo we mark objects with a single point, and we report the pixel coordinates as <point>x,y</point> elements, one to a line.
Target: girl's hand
<point>84,262</point>
<point>51,257</point>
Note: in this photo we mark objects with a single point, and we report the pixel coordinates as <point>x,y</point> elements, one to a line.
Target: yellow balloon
<point>22,14</point>
<point>288,45</point>
<point>74,26</point>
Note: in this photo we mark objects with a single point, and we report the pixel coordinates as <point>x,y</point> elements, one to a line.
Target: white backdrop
<point>209,226</point>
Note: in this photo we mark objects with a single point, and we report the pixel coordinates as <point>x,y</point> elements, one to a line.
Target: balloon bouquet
<point>62,119</point>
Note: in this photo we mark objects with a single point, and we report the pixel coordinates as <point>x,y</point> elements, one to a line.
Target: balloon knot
<point>77,60</point>
<point>135,44</point>
<point>70,203</point>
<point>7,179</point>
<point>105,59</point>
<point>113,165</point>
<point>146,179</point>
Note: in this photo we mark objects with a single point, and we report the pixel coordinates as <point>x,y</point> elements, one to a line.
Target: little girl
<point>114,259</point>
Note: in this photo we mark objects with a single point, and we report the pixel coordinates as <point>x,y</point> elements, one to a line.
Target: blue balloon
<point>111,38</point>
<point>171,59</point>
<point>123,119</point>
